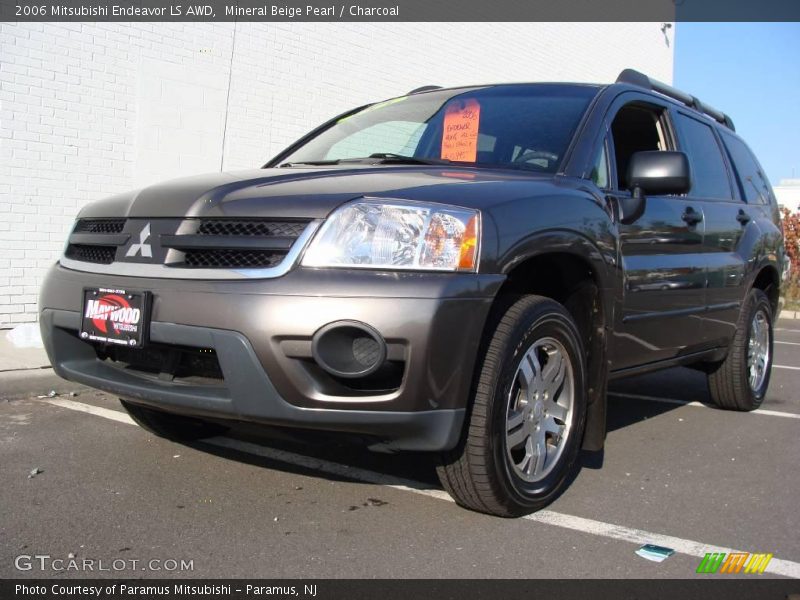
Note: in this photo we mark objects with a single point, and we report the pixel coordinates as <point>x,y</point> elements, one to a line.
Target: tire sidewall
<point>757,301</point>
<point>547,320</point>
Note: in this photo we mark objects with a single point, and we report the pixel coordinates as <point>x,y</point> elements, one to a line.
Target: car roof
<point>627,79</point>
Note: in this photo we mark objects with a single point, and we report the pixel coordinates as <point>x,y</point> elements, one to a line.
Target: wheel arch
<point>576,280</point>
<point>767,280</point>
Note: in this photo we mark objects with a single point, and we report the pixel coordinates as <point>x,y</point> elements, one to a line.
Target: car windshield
<point>517,126</point>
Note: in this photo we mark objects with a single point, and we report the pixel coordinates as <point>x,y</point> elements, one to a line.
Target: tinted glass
<point>599,173</point>
<point>635,129</point>
<point>709,175</point>
<point>518,126</point>
<point>393,137</point>
<point>752,180</point>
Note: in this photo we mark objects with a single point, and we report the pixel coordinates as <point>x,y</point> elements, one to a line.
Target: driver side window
<point>636,128</point>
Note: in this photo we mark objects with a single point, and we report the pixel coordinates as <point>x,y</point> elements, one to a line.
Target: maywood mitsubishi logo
<point>112,308</point>
<point>734,562</point>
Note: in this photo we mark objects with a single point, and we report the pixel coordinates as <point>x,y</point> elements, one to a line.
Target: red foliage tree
<point>791,234</point>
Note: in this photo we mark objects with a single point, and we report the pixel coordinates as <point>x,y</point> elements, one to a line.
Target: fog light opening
<point>348,349</point>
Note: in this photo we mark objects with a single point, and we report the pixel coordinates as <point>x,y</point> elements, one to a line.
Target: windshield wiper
<point>382,158</point>
<point>412,160</point>
<point>313,163</point>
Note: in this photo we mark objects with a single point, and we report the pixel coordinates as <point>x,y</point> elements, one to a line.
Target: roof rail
<point>425,88</point>
<point>632,77</point>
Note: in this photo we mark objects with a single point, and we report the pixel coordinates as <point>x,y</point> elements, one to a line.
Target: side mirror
<point>658,173</point>
<point>654,173</point>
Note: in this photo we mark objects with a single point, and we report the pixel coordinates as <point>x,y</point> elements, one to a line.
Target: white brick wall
<point>88,110</point>
<point>787,192</point>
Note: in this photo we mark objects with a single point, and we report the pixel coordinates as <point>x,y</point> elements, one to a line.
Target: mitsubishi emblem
<point>142,246</point>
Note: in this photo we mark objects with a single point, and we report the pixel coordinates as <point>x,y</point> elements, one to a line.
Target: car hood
<point>315,192</point>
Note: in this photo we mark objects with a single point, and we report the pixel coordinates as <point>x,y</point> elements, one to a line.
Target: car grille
<point>100,226</point>
<point>192,243</point>
<point>251,227</point>
<point>232,259</point>
<point>101,255</point>
<point>171,363</point>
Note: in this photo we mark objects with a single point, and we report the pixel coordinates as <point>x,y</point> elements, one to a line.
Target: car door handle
<point>743,217</point>
<point>691,216</point>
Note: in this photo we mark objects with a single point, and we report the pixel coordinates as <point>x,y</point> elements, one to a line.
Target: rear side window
<point>753,182</point>
<point>709,175</point>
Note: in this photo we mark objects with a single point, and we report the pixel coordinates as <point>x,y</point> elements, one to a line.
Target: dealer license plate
<point>114,316</point>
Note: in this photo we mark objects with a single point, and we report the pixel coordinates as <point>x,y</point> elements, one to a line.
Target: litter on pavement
<point>655,553</point>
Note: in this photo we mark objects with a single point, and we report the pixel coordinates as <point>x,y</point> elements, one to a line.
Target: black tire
<point>479,473</point>
<point>729,381</point>
<point>170,426</point>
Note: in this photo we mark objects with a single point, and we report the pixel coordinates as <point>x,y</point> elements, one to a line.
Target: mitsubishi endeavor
<point>459,271</point>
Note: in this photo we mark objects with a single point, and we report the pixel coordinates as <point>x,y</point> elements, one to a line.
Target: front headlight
<point>397,234</point>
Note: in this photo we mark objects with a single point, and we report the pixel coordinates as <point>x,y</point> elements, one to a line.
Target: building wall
<point>787,192</point>
<point>88,110</point>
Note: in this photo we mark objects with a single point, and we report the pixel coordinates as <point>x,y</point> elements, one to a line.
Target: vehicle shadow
<point>680,383</point>
<point>636,399</point>
<point>321,454</point>
<point>344,458</point>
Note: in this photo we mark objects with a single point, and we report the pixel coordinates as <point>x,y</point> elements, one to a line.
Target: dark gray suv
<point>458,271</point>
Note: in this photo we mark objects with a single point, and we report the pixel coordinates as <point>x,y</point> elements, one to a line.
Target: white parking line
<point>788,343</point>
<point>786,367</point>
<point>106,413</point>
<point>758,411</point>
<point>787,568</point>
<point>776,566</point>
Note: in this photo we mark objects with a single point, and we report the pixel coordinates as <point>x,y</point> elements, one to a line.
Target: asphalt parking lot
<point>675,472</point>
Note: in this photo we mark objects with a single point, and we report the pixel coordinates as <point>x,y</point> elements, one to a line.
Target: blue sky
<point>752,72</point>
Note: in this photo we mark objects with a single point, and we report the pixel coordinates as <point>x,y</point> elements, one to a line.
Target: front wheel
<point>528,414</point>
<point>740,381</point>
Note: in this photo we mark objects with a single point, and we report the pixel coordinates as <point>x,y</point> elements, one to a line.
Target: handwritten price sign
<point>460,132</point>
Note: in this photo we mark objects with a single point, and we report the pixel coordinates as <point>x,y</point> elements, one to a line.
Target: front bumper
<point>260,332</point>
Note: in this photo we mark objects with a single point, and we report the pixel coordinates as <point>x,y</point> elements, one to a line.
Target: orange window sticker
<point>460,131</point>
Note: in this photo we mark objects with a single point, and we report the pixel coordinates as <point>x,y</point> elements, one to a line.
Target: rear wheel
<point>740,381</point>
<point>528,414</point>
<point>170,426</point>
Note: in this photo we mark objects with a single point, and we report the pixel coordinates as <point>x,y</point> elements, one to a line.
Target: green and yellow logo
<point>735,562</point>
